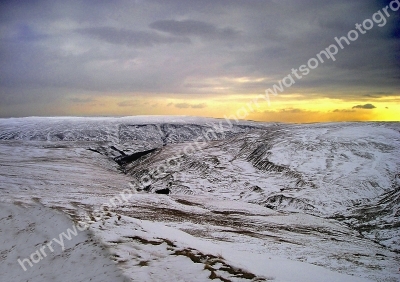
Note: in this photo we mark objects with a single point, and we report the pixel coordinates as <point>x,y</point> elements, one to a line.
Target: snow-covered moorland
<point>246,201</point>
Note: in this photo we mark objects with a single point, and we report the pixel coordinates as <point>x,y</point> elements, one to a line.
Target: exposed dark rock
<point>163,191</point>
<point>94,150</point>
<point>125,159</point>
<point>256,189</point>
<point>119,151</point>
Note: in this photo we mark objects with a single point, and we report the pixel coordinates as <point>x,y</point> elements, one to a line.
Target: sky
<point>212,58</point>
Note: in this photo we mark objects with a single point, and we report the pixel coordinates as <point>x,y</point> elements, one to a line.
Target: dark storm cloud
<point>55,49</point>
<point>365,107</point>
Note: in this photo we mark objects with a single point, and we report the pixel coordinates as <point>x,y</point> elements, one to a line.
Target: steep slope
<point>333,170</point>
<point>321,199</point>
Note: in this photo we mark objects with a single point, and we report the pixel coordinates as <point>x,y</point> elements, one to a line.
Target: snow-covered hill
<point>247,201</point>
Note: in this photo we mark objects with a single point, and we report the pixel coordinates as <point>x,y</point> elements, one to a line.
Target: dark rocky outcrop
<point>165,191</point>
<point>125,159</point>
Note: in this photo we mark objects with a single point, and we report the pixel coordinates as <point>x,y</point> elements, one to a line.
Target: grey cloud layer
<point>365,107</point>
<point>187,105</point>
<point>188,47</point>
<point>195,28</point>
<point>130,37</point>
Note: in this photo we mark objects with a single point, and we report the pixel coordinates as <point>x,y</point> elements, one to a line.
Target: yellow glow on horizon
<point>283,108</point>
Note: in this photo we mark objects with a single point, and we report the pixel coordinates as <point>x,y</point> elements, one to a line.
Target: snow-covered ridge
<point>330,170</point>
<point>125,134</point>
<point>119,130</point>
<point>318,197</point>
<point>26,228</point>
